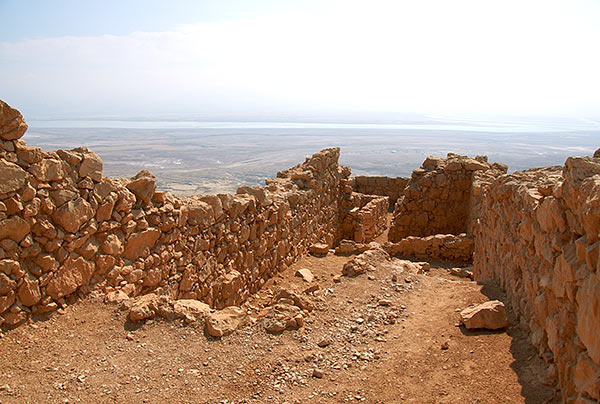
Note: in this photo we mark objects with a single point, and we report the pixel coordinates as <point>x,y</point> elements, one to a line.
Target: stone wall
<point>364,218</point>
<point>65,229</point>
<point>392,187</point>
<point>448,247</point>
<point>538,235</point>
<point>437,198</point>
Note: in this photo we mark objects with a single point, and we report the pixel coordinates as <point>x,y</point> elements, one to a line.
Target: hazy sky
<point>71,57</point>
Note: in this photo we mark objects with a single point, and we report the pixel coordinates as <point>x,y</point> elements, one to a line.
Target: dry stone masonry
<point>364,217</point>
<point>66,230</point>
<point>437,198</point>
<point>392,187</point>
<point>538,235</point>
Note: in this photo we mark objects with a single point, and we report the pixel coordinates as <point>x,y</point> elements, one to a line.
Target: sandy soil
<point>369,352</point>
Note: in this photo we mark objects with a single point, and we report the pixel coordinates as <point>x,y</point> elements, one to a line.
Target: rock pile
<point>365,262</point>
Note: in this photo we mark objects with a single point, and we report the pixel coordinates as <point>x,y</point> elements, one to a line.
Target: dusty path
<point>381,343</point>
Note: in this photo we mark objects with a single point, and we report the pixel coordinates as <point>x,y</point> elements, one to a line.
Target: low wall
<point>538,236</point>
<point>437,199</point>
<point>64,229</point>
<point>392,187</point>
<point>364,218</point>
<point>448,247</point>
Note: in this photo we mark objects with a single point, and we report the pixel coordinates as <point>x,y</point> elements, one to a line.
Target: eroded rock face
<point>489,315</point>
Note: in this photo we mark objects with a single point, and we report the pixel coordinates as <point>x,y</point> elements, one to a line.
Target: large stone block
<point>588,315</point>
<point>74,272</point>
<point>73,214</point>
<point>12,177</point>
<point>12,124</point>
<point>489,315</point>
<point>139,244</point>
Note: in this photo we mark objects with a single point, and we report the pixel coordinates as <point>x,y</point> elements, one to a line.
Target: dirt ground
<point>376,338</point>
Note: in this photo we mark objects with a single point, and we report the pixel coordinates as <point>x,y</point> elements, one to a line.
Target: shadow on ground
<point>527,363</point>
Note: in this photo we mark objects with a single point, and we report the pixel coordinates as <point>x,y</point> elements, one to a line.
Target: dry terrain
<point>385,336</point>
<point>192,161</point>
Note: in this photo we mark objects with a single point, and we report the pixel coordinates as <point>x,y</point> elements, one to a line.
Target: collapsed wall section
<point>65,229</point>
<point>538,235</point>
<point>438,196</point>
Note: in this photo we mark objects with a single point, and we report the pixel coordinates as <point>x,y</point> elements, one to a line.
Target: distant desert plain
<point>202,158</point>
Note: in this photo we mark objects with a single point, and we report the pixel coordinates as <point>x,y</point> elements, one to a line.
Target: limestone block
<point>73,273</point>
<point>14,228</point>
<point>305,274</point>
<point>91,165</point>
<point>226,321</point>
<point>139,244</point>
<point>144,307</point>
<point>12,124</point>
<point>29,292</point>
<point>191,310</point>
<point>319,248</point>
<point>588,315</point>
<point>364,262</point>
<point>490,315</point>
<point>73,214</point>
<point>48,170</point>
<point>143,185</point>
<point>12,177</point>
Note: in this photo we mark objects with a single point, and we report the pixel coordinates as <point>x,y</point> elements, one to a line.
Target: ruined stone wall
<point>392,187</point>
<point>364,217</point>
<point>538,235</point>
<point>65,229</point>
<point>438,197</point>
<point>450,247</point>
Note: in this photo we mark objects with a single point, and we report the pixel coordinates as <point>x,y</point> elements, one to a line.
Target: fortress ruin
<point>66,230</point>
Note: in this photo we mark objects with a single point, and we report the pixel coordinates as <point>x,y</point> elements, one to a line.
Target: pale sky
<point>68,58</point>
